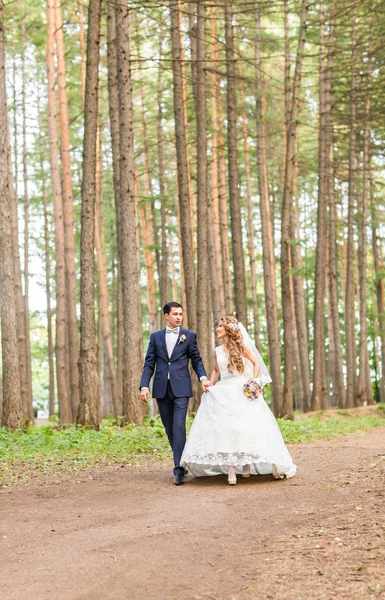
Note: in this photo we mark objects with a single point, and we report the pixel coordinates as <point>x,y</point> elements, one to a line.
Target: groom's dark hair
<point>167,307</point>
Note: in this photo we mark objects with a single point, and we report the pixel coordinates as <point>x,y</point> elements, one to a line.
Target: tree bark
<point>364,387</point>
<point>128,235</point>
<point>47,258</point>
<point>223,212</point>
<point>68,214</point>
<point>319,396</point>
<point>61,324</point>
<point>352,194</point>
<point>12,404</point>
<point>287,406</point>
<point>235,205</point>
<point>89,409</point>
<point>182,167</point>
<point>250,217</point>
<point>337,365</point>
<point>104,314</point>
<point>379,283</point>
<point>164,262</point>
<point>29,414</point>
<point>203,280</point>
<point>82,48</point>
<point>267,236</point>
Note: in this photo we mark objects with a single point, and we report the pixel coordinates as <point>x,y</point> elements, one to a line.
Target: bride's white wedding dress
<point>231,429</point>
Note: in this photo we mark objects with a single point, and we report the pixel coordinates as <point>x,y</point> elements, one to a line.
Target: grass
<point>43,453</point>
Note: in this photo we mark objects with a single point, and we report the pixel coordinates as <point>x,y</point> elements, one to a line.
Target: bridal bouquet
<point>253,388</point>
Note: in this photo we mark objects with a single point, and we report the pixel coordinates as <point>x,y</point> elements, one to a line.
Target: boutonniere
<point>181,339</point>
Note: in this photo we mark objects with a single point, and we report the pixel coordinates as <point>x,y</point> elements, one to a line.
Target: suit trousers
<point>173,413</point>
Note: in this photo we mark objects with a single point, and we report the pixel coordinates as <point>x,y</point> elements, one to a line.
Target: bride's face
<point>221,331</point>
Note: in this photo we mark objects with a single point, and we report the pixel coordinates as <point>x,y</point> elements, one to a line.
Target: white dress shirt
<point>171,339</point>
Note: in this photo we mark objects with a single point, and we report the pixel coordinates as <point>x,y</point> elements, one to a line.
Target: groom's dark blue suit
<point>172,383</point>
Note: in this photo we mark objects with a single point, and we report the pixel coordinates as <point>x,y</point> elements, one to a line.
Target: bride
<point>231,433</point>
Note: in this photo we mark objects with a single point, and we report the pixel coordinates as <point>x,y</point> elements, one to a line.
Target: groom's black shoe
<point>178,479</point>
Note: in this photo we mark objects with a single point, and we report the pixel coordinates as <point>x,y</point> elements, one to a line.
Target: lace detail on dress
<point>239,459</point>
<point>223,361</point>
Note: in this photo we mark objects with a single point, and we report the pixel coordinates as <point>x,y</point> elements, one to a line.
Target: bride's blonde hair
<point>234,344</point>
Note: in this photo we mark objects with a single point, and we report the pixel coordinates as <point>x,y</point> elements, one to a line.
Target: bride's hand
<point>206,384</point>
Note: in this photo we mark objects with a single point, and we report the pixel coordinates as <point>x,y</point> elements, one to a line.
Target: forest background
<point>228,155</point>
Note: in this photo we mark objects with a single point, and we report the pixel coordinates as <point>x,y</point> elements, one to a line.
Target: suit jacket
<point>176,364</point>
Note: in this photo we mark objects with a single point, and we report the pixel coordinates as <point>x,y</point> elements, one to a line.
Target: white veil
<point>263,372</point>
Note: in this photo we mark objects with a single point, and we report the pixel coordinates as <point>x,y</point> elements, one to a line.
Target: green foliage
<point>51,451</point>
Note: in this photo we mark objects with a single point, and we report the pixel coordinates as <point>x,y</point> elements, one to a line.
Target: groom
<point>170,350</point>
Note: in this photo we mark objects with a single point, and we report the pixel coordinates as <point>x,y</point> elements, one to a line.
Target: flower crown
<point>233,325</point>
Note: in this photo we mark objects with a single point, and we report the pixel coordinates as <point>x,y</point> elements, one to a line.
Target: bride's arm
<point>215,373</point>
<point>250,356</point>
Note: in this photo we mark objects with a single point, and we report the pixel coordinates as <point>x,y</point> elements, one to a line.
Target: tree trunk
<point>47,257</point>
<point>364,387</point>
<point>337,365</point>
<point>235,205</point>
<point>203,298</point>
<point>128,237</point>
<point>319,396</point>
<point>12,404</point>
<point>113,101</point>
<point>350,292</point>
<point>182,167</point>
<point>287,407</point>
<point>379,283</point>
<point>216,276</point>
<point>82,48</point>
<point>250,217</point>
<point>68,214</point>
<point>223,212</point>
<point>164,262</point>
<point>61,324</point>
<point>89,410</point>
<point>267,236</point>
<point>29,414</point>
<point>104,314</point>
<point>145,219</point>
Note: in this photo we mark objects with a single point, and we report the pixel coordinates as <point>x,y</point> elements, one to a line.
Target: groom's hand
<point>206,384</point>
<point>144,394</point>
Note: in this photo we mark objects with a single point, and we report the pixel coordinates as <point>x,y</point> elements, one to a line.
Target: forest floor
<point>128,533</point>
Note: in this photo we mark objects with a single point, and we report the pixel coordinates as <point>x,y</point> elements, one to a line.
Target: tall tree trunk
<point>203,298</point>
<point>337,364</point>
<point>89,409</point>
<point>319,396</point>
<point>61,324</point>
<point>145,219</point>
<point>216,272</point>
<point>19,299</point>
<point>113,101</point>
<point>182,167</point>
<point>349,291</point>
<point>47,258</point>
<point>250,217</point>
<point>12,404</point>
<point>223,212</point>
<point>128,237</point>
<point>164,262</point>
<point>82,48</point>
<point>235,205</point>
<point>287,407</point>
<point>379,282</point>
<point>267,235</point>
<point>108,353</point>
<point>68,214</point>
<point>26,220</point>
<point>364,387</point>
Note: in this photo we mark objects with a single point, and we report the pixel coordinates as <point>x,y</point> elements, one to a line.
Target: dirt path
<point>130,534</point>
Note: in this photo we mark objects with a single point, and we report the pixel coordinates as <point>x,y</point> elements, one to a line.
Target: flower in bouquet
<point>253,388</point>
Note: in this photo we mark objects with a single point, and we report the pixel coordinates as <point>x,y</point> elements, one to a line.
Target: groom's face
<point>175,317</point>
